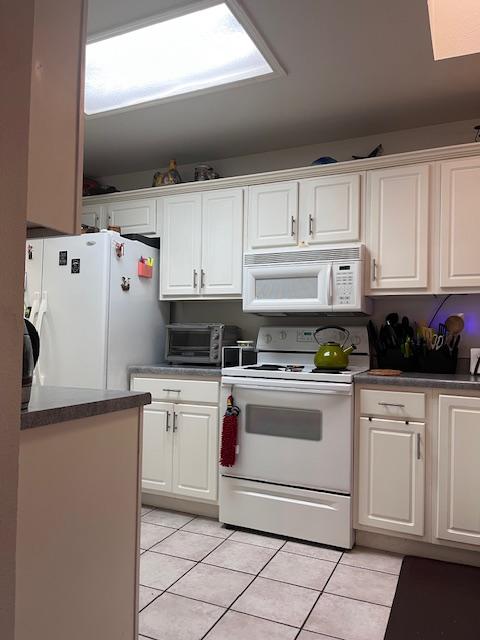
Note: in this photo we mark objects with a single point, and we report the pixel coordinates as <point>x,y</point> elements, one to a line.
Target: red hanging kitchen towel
<point>229,434</point>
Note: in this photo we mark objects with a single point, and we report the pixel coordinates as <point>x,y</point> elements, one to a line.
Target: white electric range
<point>293,470</point>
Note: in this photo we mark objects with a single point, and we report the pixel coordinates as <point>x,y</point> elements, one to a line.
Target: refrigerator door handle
<point>41,313</point>
<point>35,307</point>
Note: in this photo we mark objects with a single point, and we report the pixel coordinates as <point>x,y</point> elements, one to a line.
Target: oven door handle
<point>260,387</point>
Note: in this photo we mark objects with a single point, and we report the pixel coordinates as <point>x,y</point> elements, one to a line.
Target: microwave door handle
<point>330,285</point>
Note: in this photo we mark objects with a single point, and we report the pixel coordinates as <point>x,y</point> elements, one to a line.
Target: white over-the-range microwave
<point>326,280</point>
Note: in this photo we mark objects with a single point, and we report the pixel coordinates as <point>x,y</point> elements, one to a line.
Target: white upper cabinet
<point>222,230</point>
<point>180,249</point>
<point>460,217</point>
<point>201,244</point>
<point>458,504</point>
<point>133,216</point>
<point>311,211</point>
<point>391,478</point>
<point>398,227</point>
<point>94,215</point>
<point>330,209</point>
<point>272,215</point>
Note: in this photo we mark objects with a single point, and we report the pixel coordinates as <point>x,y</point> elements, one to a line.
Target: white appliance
<point>94,314</point>
<point>293,470</point>
<point>326,280</point>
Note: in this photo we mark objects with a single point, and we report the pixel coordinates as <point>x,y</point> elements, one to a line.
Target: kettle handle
<point>345,331</point>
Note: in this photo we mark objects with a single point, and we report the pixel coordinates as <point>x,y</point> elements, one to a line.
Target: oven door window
<point>194,343</point>
<point>301,424</point>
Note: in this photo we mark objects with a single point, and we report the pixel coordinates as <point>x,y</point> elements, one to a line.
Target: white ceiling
<point>354,67</point>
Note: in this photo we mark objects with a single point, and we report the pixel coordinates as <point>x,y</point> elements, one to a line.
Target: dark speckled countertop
<point>459,381</point>
<point>49,405</point>
<point>178,370</point>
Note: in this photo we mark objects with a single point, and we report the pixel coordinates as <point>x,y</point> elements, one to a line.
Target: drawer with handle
<point>170,390</point>
<point>392,404</point>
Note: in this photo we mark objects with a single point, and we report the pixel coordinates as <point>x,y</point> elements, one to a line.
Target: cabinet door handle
<point>419,443</point>
<point>174,422</point>
<point>195,278</point>
<point>167,426</point>
<point>202,279</point>
<point>292,230</point>
<point>374,269</point>
<point>391,404</point>
<point>172,390</point>
<point>310,225</point>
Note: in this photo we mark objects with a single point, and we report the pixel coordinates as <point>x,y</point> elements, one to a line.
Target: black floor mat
<point>435,601</point>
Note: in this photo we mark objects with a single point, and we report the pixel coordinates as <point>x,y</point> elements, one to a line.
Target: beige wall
<point>16,24</point>
<point>440,135</point>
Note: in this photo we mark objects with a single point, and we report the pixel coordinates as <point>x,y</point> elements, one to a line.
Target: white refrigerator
<point>95,315</point>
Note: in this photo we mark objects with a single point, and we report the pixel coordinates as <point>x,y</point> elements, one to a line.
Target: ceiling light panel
<point>455,27</point>
<point>193,52</point>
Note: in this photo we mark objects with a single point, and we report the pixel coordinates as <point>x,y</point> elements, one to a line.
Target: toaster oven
<point>198,343</point>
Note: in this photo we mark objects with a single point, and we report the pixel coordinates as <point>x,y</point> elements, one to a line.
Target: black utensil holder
<point>423,361</point>
<point>437,361</point>
<point>393,358</point>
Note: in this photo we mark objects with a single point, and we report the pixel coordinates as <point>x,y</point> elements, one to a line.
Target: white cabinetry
<point>330,209</point>
<point>391,461</point>
<point>272,215</point>
<point>392,475</point>
<point>201,244</point>
<point>458,491</point>
<point>311,211</point>
<point>398,236</point>
<point>222,245</point>
<point>180,438</point>
<point>157,447</point>
<point>133,216</point>
<point>460,202</point>
<point>180,250</point>
<point>94,215</point>
<point>195,451</point>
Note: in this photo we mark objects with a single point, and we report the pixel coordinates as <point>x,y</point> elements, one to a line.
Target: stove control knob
<point>283,334</point>
<point>268,338</point>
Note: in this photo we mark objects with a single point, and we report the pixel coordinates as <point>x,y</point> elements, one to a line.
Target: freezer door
<point>33,277</point>
<point>73,312</point>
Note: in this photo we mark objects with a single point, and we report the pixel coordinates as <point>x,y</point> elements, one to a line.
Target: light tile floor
<point>200,580</point>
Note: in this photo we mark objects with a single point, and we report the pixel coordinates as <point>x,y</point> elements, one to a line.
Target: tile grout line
<point>319,596</point>
<point>339,595</point>
<point>229,608</point>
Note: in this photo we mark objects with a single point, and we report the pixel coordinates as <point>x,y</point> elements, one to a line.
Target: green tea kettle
<point>331,355</point>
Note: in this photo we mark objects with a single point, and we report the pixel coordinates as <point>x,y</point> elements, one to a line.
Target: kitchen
<point>256,316</point>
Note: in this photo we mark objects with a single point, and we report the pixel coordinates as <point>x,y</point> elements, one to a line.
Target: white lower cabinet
<point>180,439</point>
<point>195,451</point>
<point>458,489</point>
<point>157,447</point>
<point>391,479</point>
